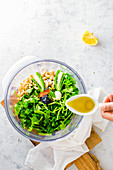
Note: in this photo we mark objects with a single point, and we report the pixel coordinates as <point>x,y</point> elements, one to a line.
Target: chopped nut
<point>44,78</point>
<point>31,76</point>
<point>51,77</point>
<point>26,87</point>
<point>47,75</point>
<point>51,72</point>
<point>53,82</point>
<point>43,72</point>
<point>52,85</point>
<point>50,82</point>
<point>46,84</point>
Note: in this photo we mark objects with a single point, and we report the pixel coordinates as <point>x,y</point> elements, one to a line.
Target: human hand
<point>107,108</point>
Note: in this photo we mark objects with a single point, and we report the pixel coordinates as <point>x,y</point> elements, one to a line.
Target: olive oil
<point>82,104</point>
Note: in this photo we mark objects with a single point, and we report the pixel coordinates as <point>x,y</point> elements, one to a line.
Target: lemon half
<point>89,38</point>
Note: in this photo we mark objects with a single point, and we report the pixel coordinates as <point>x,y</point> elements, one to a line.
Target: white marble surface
<point>53,29</point>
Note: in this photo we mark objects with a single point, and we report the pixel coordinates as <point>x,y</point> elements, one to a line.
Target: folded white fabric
<point>56,155</point>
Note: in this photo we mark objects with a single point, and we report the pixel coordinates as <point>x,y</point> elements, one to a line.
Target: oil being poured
<point>82,104</point>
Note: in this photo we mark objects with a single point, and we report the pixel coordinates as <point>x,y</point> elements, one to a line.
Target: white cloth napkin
<point>56,155</point>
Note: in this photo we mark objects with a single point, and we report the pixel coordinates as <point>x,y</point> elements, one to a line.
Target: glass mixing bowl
<point>21,75</point>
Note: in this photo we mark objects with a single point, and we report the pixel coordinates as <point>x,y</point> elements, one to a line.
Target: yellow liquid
<point>82,104</point>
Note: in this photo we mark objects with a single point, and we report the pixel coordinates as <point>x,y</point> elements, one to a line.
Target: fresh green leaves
<point>51,94</point>
<point>46,119</point>
<point>68,86</point>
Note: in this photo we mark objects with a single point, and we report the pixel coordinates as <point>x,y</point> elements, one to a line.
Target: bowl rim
<point>6,94</point>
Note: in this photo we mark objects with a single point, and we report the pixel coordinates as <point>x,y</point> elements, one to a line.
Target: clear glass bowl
<point>23,74</point>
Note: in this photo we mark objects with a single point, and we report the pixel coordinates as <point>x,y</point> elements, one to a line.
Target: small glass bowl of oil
<point>82,104</point>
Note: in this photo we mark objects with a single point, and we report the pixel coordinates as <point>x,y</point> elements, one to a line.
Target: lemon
<point>89,38</point>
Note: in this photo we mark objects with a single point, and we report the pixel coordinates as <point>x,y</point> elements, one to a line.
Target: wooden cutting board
<point>86,161</point>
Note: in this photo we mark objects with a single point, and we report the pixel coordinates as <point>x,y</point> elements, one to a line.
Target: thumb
<point>107,106</point>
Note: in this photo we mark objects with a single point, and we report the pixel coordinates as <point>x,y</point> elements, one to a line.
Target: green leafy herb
<point>46,119</point>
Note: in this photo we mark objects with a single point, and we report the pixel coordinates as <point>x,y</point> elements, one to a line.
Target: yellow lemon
<point>89,38</point>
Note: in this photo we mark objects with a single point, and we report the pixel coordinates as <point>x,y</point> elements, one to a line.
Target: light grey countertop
<point>53,29</point>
